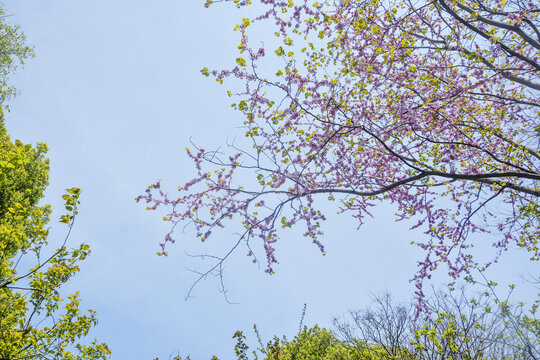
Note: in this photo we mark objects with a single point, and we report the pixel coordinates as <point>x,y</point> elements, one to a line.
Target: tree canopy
<point>430,106</point>
<point>458,325</point>
<point>482,327</point>
<point>15,51</point>
<point>309,343</point>
<point>37,320</point>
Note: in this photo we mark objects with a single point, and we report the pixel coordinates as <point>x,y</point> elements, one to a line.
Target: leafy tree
<point>36,322</point>
<point>431,106</point>
<point>312,343</point>
<point>459,327</point>
<point>14,51</point>
<point>309,343</point>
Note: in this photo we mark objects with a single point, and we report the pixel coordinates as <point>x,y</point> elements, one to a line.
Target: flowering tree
<point>432,106</point>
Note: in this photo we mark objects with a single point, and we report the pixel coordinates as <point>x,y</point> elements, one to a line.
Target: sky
<point>116,92</point>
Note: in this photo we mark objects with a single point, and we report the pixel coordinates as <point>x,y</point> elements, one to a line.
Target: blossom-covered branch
<point>430,106</point>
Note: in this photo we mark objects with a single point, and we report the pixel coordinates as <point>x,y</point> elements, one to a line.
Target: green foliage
<point>461,327</point>
<point>36,322</point>
<point>313,343</point>
<point>308,344</point>
<point>453,336</point>
<point>23,178</point>
<point>13,52</point>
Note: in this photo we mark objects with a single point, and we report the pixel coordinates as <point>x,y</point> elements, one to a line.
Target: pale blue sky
<point>116,92</point>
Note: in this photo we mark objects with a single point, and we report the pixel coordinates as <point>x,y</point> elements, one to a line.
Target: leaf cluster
<point>14,52</point>
<point>36,321</point>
